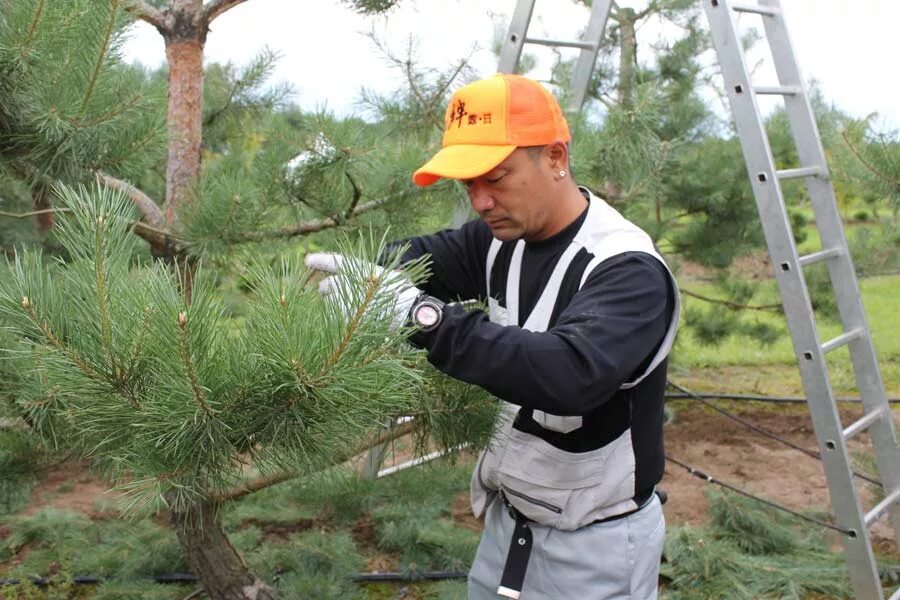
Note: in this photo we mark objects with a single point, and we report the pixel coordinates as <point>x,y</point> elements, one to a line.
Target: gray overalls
<point>570,505</point>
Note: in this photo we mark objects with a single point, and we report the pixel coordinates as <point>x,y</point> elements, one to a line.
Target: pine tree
<point>217,370</point>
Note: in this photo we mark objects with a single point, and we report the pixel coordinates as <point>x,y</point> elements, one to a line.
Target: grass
<point>749,552</point>
<point>740,351</point>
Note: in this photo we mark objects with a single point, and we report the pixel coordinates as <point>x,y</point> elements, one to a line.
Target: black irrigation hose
<point>760,398</point>
<point>709,479</point>
<point>191,578</point>
<point>764,432</point>
<point>94,580</point>
<point>409,577</point>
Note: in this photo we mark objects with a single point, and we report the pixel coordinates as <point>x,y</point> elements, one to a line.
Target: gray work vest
<point>554,487</point>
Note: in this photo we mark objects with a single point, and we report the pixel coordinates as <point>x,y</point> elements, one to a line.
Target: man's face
<point>513,198</point>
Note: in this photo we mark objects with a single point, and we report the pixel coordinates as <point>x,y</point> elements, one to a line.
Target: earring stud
<point>562,173</point>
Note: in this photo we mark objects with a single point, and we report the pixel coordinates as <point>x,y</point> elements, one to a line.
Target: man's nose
<point>480,197</point>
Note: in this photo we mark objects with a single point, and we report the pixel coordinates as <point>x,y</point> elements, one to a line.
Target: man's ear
<point>558,155</point>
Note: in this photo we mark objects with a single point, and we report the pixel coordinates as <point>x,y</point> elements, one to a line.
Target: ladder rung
<point>815,257</point>
<point>864,422</point>
<point>757,9</point>
<point>844,338</point>
<point>882,506</point>
<point>801,172</point>
<point>561,43</point>
<point>785,90</point>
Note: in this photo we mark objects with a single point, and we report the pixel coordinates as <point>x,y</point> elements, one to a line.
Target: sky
<point>850,47</point>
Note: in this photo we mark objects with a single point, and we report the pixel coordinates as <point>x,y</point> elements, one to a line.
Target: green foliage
<point>19,459</point>
<point>310,565</point>
<point>116,590</point>
<point>65,544</point>
<point>708,183</point>
<point>409,511</point>
<point>628,149</point>
<point>299,385</point>
<point>68,107</point>
<point>423,541</point>
<point>371,7</point>
<point>721,317</point>
<point>749,551</point>
<point>448,590</point>
<point>875,249</point>
<point>237,97</point>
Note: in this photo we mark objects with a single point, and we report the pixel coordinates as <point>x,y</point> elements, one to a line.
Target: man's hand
<point>396,293</point>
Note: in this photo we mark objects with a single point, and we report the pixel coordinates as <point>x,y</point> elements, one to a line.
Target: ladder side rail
<point>511,50</point>
<point>842,274</point>
<point>584,67</point>
<point>795,299</point>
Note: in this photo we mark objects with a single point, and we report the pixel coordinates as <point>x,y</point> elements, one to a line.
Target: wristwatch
<point>426,313</point>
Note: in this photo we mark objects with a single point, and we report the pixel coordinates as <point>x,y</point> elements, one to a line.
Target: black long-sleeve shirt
<point>599,336</point>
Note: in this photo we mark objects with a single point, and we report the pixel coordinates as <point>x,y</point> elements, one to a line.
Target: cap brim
<point>461,161</point>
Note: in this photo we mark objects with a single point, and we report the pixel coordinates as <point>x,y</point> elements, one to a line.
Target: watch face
<point>427,316</point>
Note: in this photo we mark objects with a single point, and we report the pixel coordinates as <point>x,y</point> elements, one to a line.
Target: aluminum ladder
<point>517,37</point>
<point>765,180</point>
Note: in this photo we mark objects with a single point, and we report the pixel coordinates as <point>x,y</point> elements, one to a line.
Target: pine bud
<point>182,319</point>
<point>26,303</point>
<point>282,301</point>
<point>148,310</point>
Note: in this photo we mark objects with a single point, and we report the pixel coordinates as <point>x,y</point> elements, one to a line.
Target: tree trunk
<point>208,552</point>
<point>40,201</point>
<point>212,558</point>
<point>627,19</point>
<point>184,39</point>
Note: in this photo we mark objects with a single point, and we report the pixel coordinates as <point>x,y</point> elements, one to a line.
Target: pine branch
<point>101,58</point>
<point>371,287</point>
<point>32,27</point>
<point>159,238</point>
<point>311,226</point>
<point>357,194</point>
<point>189,364</point>
<point>410,78</point>
<point>149,14</point>
<point>102,299</point>
<point>254,485</point>
<point>868,166</point>
<point>109,115</point>
<point>144,203</point>
<point>58,344</point>
<point>33,213</point>
<point>152,234</point>
<point>440,93</point>
<point>217,7</point>
<point>728,303</point>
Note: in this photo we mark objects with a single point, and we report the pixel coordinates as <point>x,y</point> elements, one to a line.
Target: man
<point>582,314</point>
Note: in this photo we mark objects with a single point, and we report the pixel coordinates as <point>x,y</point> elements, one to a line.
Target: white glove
<point>396,289</point>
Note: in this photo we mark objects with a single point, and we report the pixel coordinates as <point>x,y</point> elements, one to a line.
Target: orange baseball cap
<point>487,120</point>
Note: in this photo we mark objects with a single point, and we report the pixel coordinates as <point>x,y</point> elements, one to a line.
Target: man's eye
<point>493,180</point>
